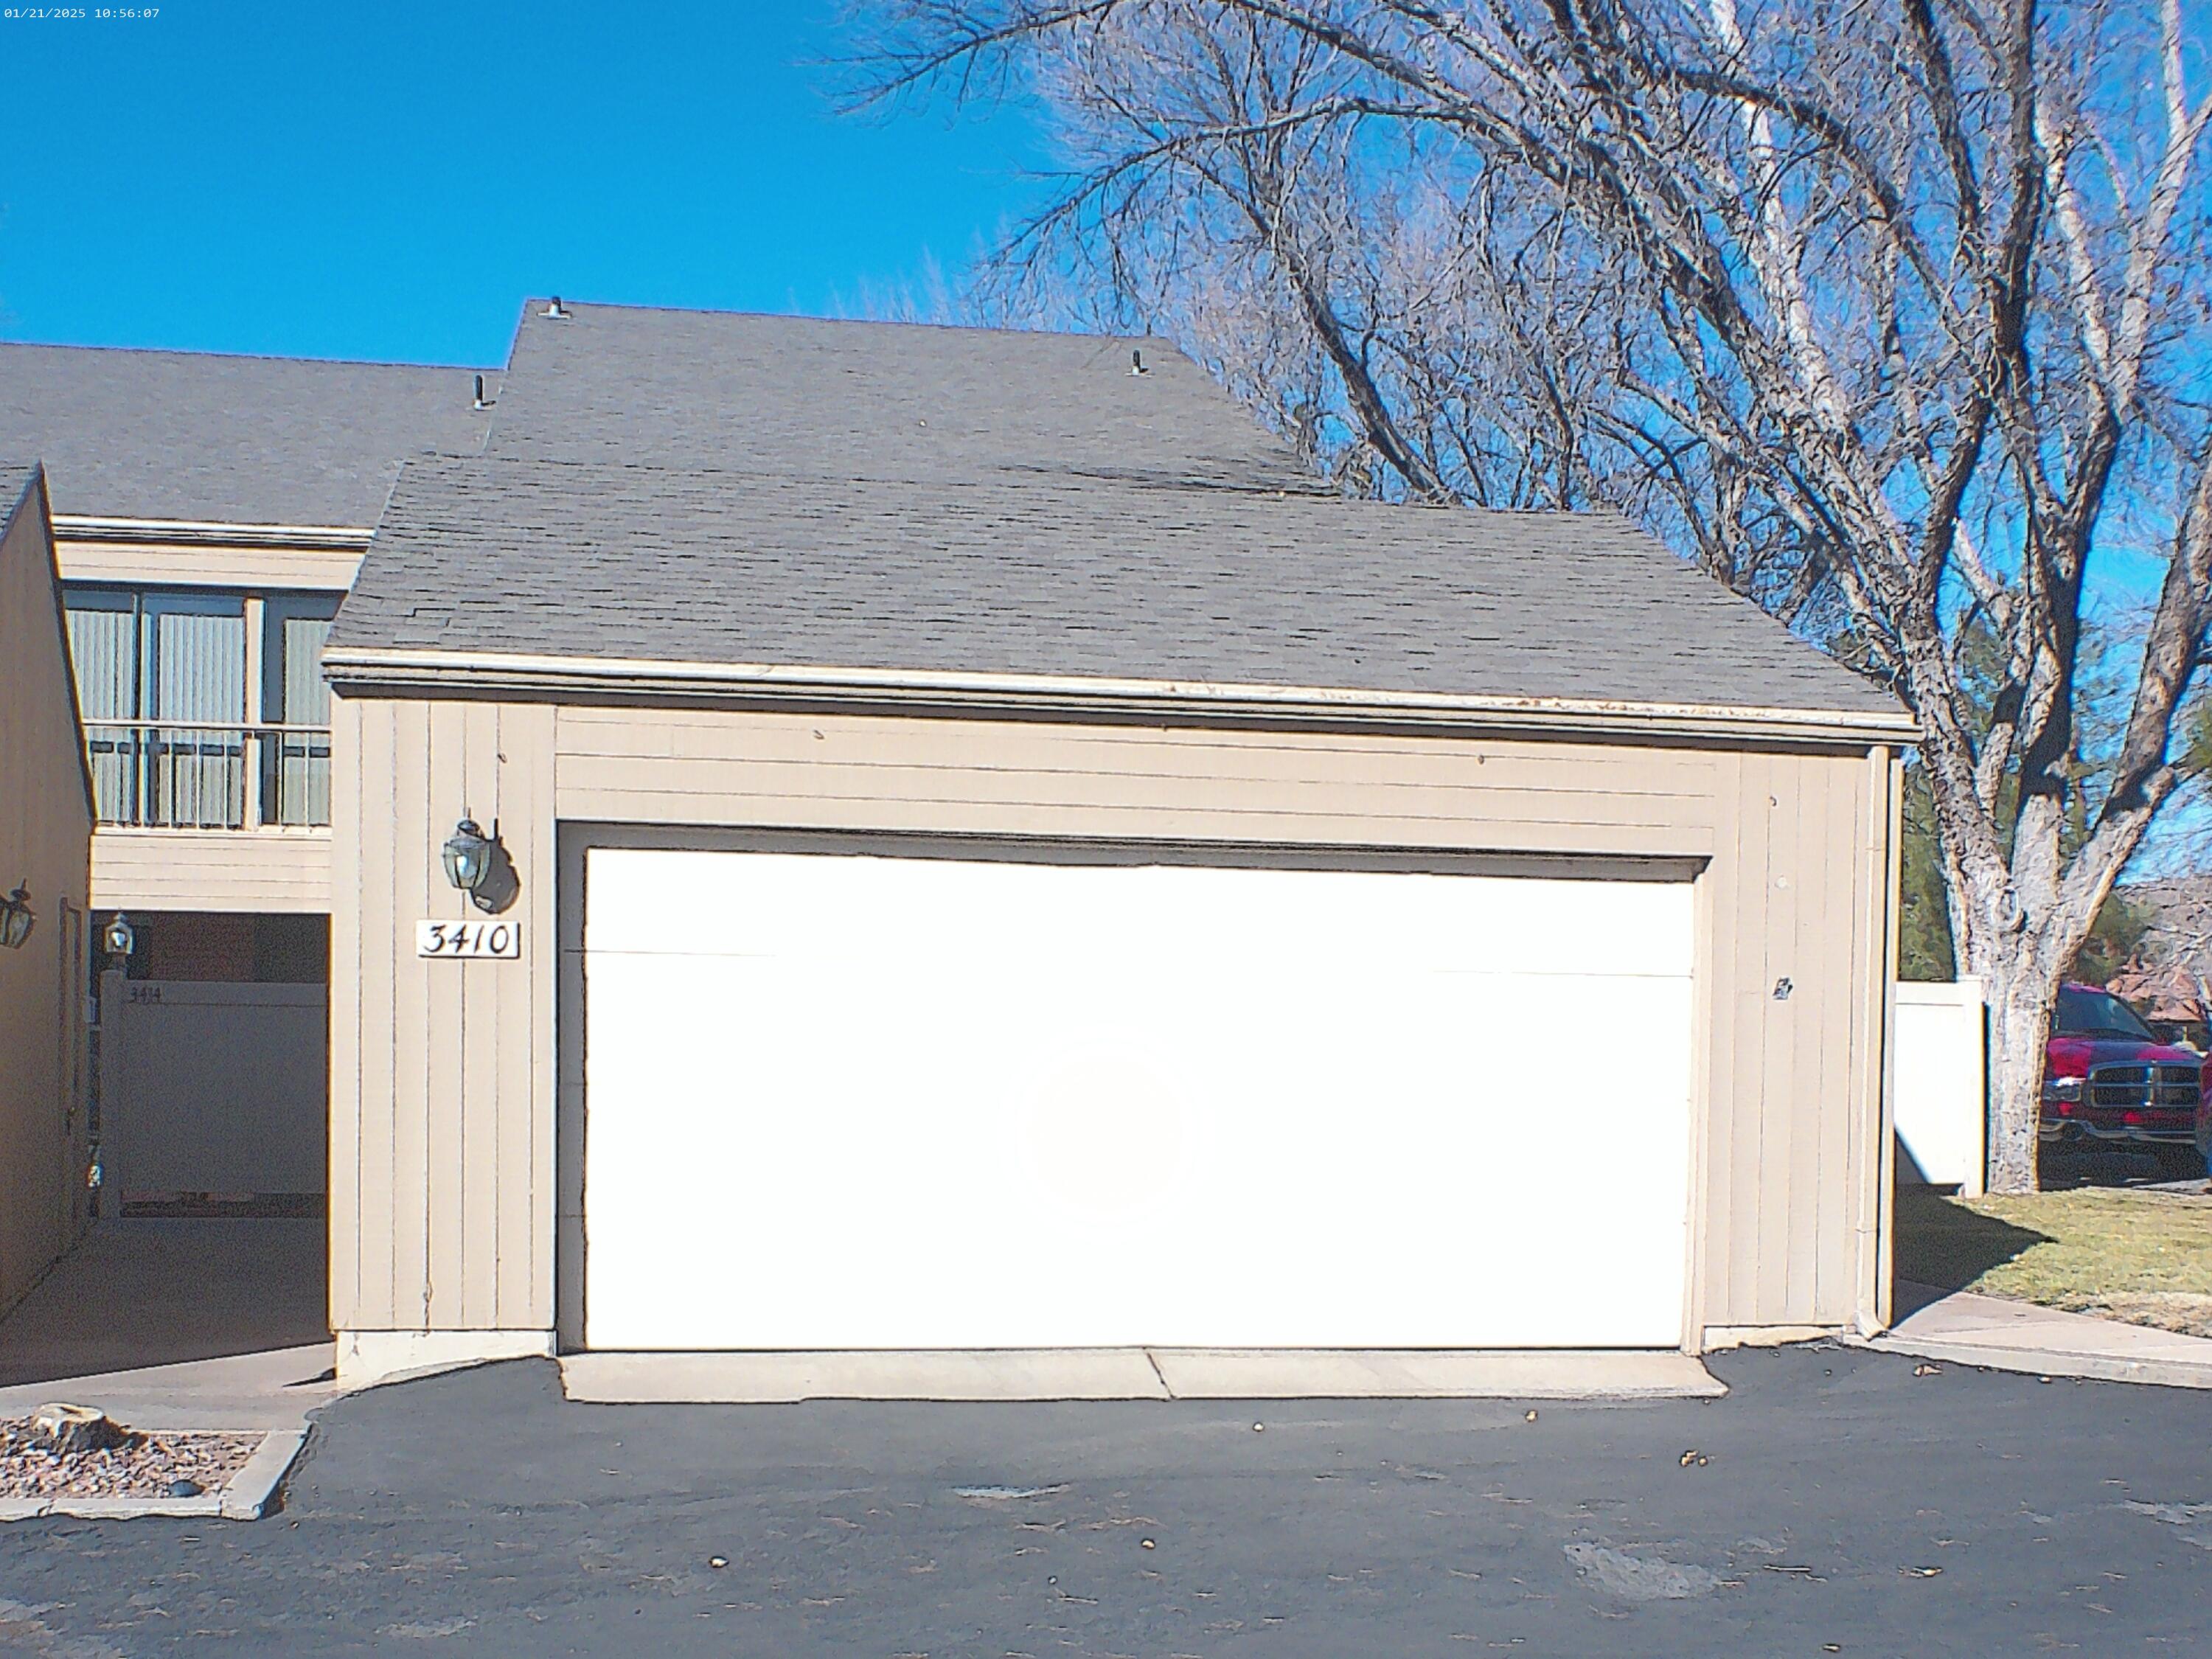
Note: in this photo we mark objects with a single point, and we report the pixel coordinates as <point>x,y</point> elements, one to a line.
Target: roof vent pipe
<point>556,309</point>
<point>483,402</point>
<point>1137,363</point>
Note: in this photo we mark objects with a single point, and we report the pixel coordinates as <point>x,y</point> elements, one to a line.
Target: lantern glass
<point>467,856</point>
<point>17,918</point>
<point>121,938</point>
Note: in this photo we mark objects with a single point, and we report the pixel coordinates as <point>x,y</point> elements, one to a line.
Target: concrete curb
<point>245,1497</point>
<point>130,1509</point>
<point>2048,1362</point>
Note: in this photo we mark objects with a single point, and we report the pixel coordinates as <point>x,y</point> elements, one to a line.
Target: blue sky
<point>387,178</point>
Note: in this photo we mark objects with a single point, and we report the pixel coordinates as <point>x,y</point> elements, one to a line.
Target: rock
<point>67,1429</point>
<point>182,1487</point>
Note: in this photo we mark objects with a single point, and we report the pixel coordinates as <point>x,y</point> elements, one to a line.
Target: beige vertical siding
<point>442,1098</point>
<point>451,1108</point>
<point>352,1210</point>
<point>1877,1087</point>
<point>46,828</point>
<point>1799,891</point>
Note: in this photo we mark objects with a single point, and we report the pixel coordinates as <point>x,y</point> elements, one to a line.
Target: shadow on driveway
<point>140,1293</point>
<point>1946,1246</point>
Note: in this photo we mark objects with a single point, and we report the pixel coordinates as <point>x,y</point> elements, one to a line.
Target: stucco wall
<point>45,827</point>
<point>450,1194</point>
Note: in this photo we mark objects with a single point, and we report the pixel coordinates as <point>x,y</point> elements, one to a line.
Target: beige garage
<point>996,857</point>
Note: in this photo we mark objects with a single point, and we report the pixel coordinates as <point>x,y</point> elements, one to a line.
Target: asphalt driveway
<point>1836,1502</point>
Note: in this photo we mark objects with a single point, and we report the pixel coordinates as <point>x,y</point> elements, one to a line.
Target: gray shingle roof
<point>1096,577</point>
<point>800,395</point>
<point>234,440</point>
<point>15,479</point>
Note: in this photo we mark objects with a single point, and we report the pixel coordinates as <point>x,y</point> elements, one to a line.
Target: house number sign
<point>500,941</point>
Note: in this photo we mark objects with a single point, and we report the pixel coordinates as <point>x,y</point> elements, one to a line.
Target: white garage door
<point>848,1102</point>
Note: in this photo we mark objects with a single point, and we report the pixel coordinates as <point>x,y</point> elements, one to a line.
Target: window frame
<point>261,719</point>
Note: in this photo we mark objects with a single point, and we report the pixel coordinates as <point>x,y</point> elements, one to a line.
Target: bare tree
<point>1892,314</point>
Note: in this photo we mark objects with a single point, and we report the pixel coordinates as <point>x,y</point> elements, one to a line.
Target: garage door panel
<point>841,908</point>
<point>988,1106</point>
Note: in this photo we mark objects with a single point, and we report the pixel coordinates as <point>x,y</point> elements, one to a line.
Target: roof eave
<point>207,532</point>
<point>429,673</point>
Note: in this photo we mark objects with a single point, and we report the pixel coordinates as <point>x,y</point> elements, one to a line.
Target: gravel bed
<point>148,1465</point>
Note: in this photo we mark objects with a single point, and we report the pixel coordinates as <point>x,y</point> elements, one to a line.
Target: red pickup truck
<point>2108,1079</point>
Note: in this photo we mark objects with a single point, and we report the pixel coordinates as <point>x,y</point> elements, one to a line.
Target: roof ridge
<point>530,311</point>
<point>1035,477</point>
<point>1030,474</point>
<point>248,356</point>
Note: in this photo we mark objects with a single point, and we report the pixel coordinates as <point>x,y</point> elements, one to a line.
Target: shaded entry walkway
<point>179,1323</point>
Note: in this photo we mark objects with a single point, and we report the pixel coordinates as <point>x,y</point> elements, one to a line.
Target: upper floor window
<point>202,709</point>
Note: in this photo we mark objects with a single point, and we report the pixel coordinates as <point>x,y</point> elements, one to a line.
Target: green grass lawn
<point>2143,1257</point>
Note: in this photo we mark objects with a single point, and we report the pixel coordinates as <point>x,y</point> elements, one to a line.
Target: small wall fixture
<point>467,856</point>
<point>120,937</point>
<point>17,918</point>
<point>477,865</point>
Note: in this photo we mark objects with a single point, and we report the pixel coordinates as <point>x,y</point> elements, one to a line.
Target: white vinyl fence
<point>213,1088</point>
<point>1943,1083</point>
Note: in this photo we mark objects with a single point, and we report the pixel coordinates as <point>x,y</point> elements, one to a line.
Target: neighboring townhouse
<point>208,512</point>
<point>45,829</point>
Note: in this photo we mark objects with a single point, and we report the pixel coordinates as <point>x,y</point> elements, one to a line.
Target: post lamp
<point>120,937</point>
<point>16,917</point>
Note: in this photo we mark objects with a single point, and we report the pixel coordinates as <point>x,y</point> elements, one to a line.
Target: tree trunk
<point>2022,992</point>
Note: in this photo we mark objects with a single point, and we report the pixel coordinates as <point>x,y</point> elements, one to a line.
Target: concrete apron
<point>273,1390</point>
<point>1134,1374</point>
<point>1966,1329</point>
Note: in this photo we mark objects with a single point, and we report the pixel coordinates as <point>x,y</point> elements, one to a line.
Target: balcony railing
<point>187,774</point>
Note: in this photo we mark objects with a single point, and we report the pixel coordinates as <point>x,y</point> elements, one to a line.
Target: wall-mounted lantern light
<point>478,864</point>
<point>17,918</point>
<point>468,856</point>
<point>120,937</point>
